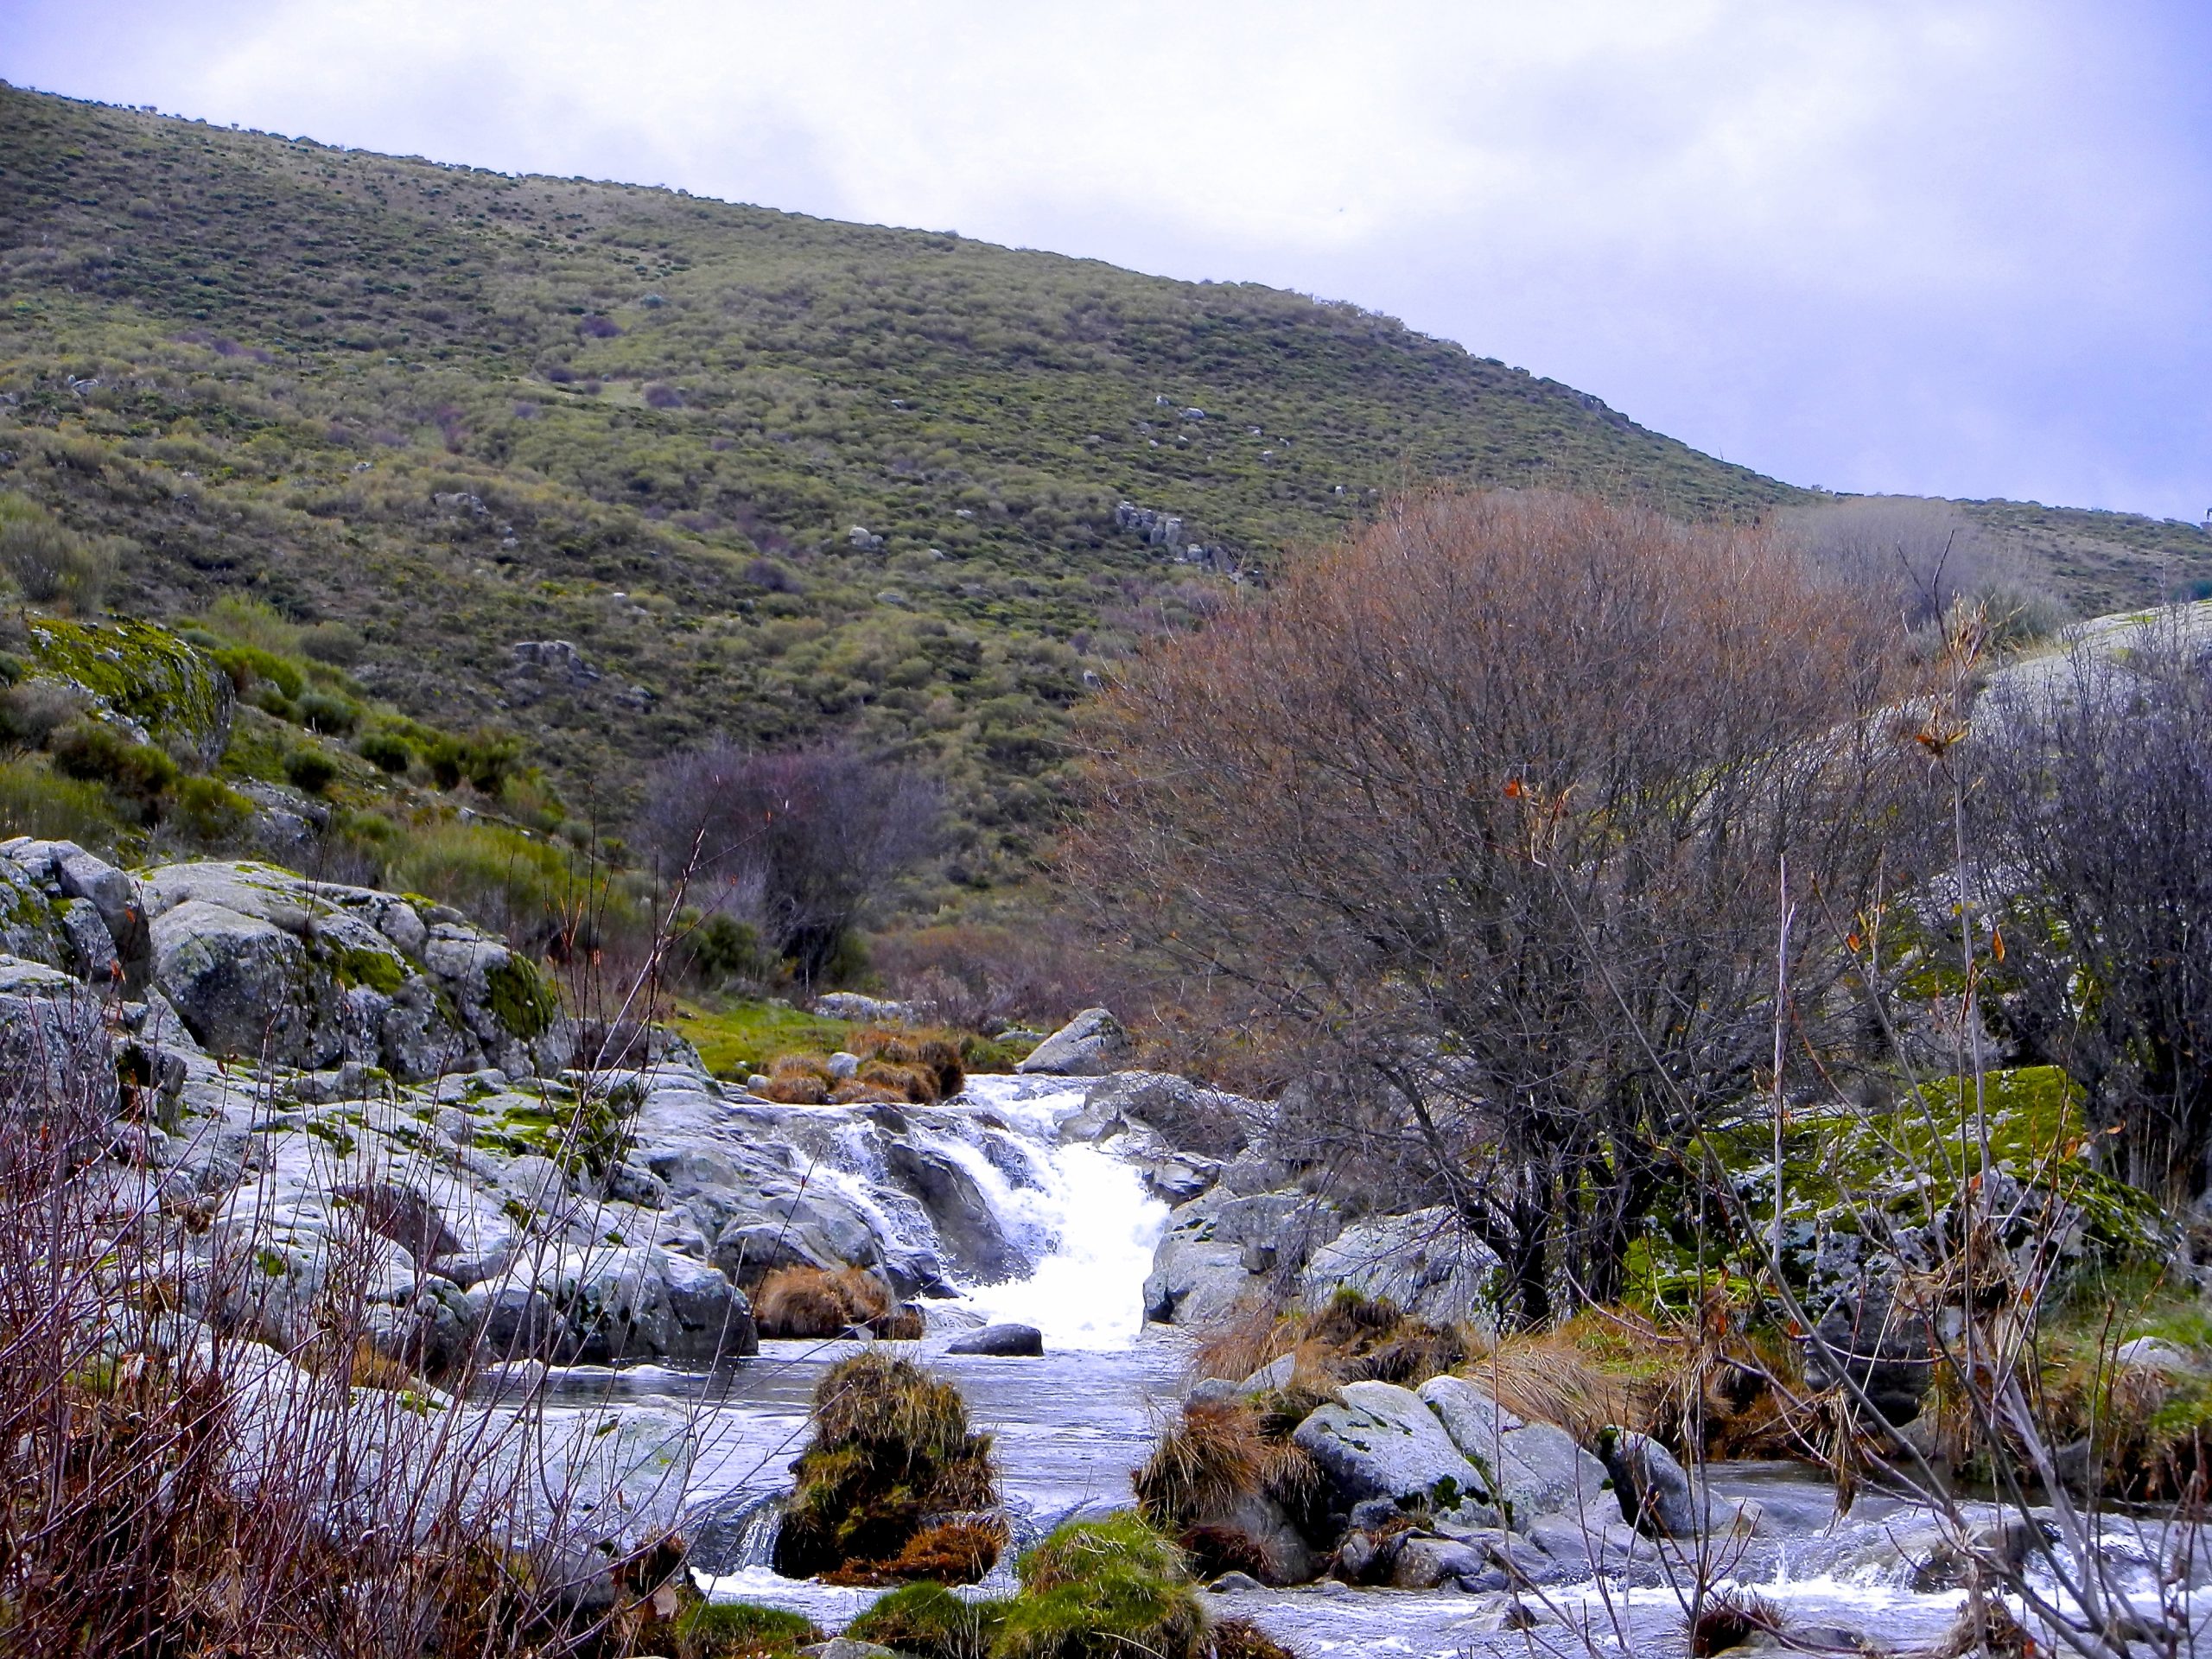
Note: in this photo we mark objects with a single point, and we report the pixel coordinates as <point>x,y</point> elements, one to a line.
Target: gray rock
<point>964,1219</point>
<point>1655,1494</point>
<point>1190,1118</point>
<point>1424,1263</point>
<point>2155,1354</point>
<point>1004,1341</point>
<point>1276,1373</point>
<point>1424,1563</point>
<point>1539,1470</point>
<point>1224,1249</point>
<point>1476,1422</point>
<point>1383,1442</point>
<point>1089,1046</point>
<point>1231,1584</point>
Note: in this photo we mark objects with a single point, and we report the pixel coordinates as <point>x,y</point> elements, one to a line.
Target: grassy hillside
<point>773,476</point>
<point>451,411</point>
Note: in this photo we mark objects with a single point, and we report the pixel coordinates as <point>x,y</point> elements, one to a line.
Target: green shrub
<point>251,669</point>
<point>329,713</point>
<point>333,643</point>
<point>98,753</point>
<point>310,770</point>
<point>209,811</point>
<point>48,563</point>
<point>35,800</point>
<point>930,1621</point>
<point>739,1629</point>
<point>387,752</point>
<point>525,890</point>
<point>720,949</point>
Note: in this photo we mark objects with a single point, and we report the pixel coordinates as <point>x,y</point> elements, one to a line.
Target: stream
<point>1071,1426</point>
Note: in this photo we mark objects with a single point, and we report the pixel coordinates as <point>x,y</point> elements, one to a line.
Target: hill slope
<point>771,476</point>
<point>457,411</point>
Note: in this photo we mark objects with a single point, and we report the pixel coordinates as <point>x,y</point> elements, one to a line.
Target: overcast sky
<point>1934,246</point>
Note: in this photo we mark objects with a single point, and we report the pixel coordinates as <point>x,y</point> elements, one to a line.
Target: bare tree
<point>800,843</point>
<point>1925,556</point>
<point>2098,786</point>
<point>1494,802</point>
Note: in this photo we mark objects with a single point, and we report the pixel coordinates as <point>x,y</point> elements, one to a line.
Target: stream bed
<point>1070,1427</point>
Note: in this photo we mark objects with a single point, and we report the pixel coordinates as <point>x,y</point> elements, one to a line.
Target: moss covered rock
<point>163,689</point>
<point>892,1462</point>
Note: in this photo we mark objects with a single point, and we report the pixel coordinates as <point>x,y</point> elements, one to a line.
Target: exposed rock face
<point>1425,1262</point>
<point>1881,1344</point>
<point>259,961</point>
<point>141,679</point>
<point>1655,1494</point>
<point>1089,1046</point>
<point>1189,1116</point>
<point>1224,1249</point>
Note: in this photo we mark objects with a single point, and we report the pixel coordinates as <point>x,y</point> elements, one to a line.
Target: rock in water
<point>1005,1341</point>
<point>1655,1494</point>
<point>1091,1045</point>
<point>1384,1442</point>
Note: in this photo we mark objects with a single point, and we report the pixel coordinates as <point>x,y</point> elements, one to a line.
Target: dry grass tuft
<point>1729,1618</point>
<point>813,1302</point>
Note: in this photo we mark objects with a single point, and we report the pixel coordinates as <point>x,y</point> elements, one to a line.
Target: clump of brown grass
<point>1352,1339</point>
<point>811,1303</point>
<point>1240,1638</point>
<point>959,1551</point>
<point>799,1080</point>
<point>1209,1464</point>
<point>932,1057</point>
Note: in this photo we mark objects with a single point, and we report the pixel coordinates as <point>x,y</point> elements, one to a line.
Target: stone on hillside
<point>260,963</point>
<point>141,678</point>
<point>1382,1441</point>
<point>1424,1263</point>
<point>874,1010</point>
<point>1091,1045</point>
<point>1006,1341</point>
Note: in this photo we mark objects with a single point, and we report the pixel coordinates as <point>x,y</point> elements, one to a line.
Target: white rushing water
<point>1088,1216</point>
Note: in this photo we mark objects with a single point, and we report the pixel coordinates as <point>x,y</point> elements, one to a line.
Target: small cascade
<point>1021,1224</point>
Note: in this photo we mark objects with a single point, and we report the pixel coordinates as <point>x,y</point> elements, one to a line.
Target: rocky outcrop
<point>1382,1441</point>
<point>1091,1045</point>
<point>1424,1263</point>
<point>1225,1249</point>
<point>144,681</point>
<point>260,962</point>
<point>1189,1116</point>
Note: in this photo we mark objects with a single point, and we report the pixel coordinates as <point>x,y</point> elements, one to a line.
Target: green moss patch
<point>740,1630</point>
<point>169,687</point>
<point>520,998</point>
